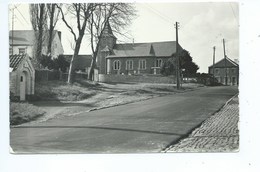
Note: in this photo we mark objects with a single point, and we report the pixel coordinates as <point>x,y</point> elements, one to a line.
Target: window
<point>216,71</point>
<point>116,65</point>
<point>233,70</point>
<point>142,64</point>
<point>21,50</point>
<point>129,65</point>
<point>158,63</point>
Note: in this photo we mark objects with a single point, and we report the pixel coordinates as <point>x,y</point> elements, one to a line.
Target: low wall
<point>136,78</point>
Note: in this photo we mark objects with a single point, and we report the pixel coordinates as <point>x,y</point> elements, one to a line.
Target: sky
<point>202,26</point>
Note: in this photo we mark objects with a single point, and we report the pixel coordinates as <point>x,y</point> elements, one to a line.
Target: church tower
<point>106,45</point>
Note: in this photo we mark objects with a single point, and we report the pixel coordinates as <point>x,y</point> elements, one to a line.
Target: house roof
<point>151,49</point>
<point>15,60</point>
<point>221,63</point>
<point>26,37</point>
<point>81,62</point>
<point>19,41</point>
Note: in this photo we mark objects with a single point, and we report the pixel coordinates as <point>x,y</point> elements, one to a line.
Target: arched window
<point>142,64</point>
<point>116,65</point>
<point>129,65</point>
<point>158,63</point>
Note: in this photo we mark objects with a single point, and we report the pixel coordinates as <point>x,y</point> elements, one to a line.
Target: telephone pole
<point>225,58</point>
<point>12,31</point>
<point>177,57</point>
<point>214,50</point>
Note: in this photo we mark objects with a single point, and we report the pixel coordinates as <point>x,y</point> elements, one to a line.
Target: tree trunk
<point>51,28</point>
<point>75,55</point>
<point>40,35</point>
<point>93,62</point>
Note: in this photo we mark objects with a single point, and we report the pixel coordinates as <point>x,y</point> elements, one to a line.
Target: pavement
<point>141,127</point>
<point>219,133</point>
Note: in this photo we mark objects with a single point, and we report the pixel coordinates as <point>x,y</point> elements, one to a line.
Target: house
<point>81,63</point>
<point>132,58</point>
<point>22,76</point>
<point>226,71</point>
<point>23,42</point>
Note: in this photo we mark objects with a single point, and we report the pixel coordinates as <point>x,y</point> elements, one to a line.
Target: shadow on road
<point>102,128</point>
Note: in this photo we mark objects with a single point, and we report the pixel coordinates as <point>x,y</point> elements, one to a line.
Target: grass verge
<point>23,112</point>
<point>58,90</point>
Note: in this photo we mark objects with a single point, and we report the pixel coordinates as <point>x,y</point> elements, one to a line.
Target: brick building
<point>225,71</point>
<point>132,58</point>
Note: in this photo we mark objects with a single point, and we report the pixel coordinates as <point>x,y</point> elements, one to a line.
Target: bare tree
<point>38,14</point>
<point>82,13</point>
<point>117,15</point>
<point>53,15</point>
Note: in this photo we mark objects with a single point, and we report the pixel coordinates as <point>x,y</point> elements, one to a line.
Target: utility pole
<point>12,31</point>
<point>177,57</point>
<point>214,49</point>
<point>225,58</point>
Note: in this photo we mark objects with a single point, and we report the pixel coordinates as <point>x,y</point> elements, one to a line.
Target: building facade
<point>23,42</point>
<point>132,58</point>
<point>22,76</point>
<point>225,72</point>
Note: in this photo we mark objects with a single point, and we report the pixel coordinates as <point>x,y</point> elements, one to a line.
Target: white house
<point>23,42</point>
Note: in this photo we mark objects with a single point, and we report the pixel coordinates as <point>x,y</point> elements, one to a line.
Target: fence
<point>136,78</point>
<point>50,75</point>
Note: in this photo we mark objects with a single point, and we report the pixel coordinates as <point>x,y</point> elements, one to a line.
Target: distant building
<point>22,76</point>
<point>225,71</point>
<point>81,63</point>
<point>23,42</point>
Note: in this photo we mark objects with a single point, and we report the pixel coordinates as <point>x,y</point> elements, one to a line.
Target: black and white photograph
<point>124,77</point>
<point>149,86</point>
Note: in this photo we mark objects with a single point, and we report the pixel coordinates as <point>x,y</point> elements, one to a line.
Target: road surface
<point>141,127</point>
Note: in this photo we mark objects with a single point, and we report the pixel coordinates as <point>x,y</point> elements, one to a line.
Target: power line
<point>233,13</point>
<point>166,19</point>
<point>22,16</point>
<point>18,19</point>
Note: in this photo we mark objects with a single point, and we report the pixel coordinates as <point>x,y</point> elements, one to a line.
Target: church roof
<point>151,49</point>
<point>108,30</point>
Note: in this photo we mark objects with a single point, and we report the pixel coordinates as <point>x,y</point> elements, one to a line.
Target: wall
<point>12,82</point>
<point>28,50</point>
<point>136,78</point>
<point>222,74</point>
<point>150,62</point>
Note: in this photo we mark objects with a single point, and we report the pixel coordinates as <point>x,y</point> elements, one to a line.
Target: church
<point>132,58</point>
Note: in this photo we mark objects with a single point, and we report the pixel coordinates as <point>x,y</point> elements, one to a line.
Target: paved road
<point>147,126</point>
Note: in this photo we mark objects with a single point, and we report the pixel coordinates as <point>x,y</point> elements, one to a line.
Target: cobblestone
<point>219,133</point>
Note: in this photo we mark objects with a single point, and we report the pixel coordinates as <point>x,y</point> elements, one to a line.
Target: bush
<point>23,112</point>
<point>58,90</point>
